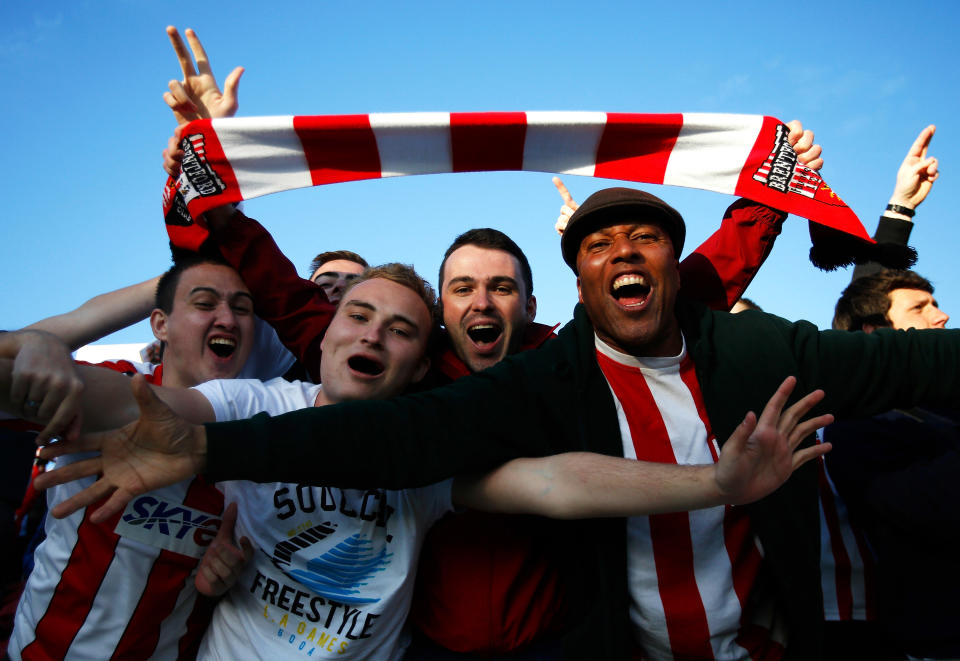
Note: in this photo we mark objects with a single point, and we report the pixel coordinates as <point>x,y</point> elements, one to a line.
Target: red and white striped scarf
<point>229,160</point>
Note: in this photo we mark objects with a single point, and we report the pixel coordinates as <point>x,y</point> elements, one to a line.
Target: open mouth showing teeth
<point>365,365</point>
<point>630,289</point>
<point>222,346</point>
<point>484,333</point>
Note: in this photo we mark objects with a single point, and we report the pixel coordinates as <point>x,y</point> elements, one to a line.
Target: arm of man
<point>862,374</point>
<point>42,382</point>
<point>101,315</point>
<point>297,308</point>
<point>106,401</point>
<point>758,458</point>
<point>719,271</point>
<point>915,178</point>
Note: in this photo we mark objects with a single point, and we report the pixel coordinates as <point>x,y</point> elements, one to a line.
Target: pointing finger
<point>565,194</point>
<point>920,145</point>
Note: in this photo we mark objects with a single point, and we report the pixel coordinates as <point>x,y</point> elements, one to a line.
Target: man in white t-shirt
<point>333,568</point>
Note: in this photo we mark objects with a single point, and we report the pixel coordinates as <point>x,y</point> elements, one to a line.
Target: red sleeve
<point>297,308</point>
<point>718,272</point>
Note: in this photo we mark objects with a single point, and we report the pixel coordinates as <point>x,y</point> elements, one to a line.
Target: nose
<point>339,285</point>
<point>938,318</point>
<point>481,299</point>
<point>373,335</point>
<point>226,317</point>
<point>623,247</point>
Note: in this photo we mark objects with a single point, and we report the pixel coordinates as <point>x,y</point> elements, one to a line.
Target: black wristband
<point>906,211</point>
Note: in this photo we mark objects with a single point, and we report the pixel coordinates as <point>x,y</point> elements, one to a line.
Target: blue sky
<point>85,124</point>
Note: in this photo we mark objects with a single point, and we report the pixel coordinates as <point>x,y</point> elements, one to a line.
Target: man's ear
<point>158,323</point>
<point>421,369</point>
<point>531,309</point>
<point>579,290</point>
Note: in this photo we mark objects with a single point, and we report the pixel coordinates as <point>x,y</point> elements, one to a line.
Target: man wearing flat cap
<point>639,372</point>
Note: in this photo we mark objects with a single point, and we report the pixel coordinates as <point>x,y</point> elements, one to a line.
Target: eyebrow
<point>634,226</point>
<point>335,274</point>
<point>468,279</point>
<point>211,290</point>
<point>369,306</point>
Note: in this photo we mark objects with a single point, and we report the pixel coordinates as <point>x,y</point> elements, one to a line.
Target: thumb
<point>148,402</point>
<point>247,549</point>
<point>738,439</point>
<point>227,524</point>
<point>232,84</point>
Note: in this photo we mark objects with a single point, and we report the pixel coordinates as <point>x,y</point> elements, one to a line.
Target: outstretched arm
<point>758,458</point>
<point>162,448</point>
<point>158,449</point>
<point>74,397</point>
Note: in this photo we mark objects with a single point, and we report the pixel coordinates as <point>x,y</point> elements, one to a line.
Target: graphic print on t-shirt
<point>335,566</point>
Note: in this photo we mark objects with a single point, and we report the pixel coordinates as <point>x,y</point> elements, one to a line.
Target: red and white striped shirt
<point>122,589</point>
<point>694,577</point>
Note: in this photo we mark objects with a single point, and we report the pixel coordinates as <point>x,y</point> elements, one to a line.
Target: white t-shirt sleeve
<point>237,399</point>
<point>437,499</point>
<point>269,358</point>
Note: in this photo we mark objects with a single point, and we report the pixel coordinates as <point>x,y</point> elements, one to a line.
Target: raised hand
<point>569,206</point>
<point>761,456</point>
<point>802,142</point>
<point>158,449</point>
<point>223,561</point>
<point>198,96</point>
<point>917,172</point>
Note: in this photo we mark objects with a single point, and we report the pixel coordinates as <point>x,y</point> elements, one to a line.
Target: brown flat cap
<point>617,205</point>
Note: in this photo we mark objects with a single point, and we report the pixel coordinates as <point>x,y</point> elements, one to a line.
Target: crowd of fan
<point>661,563</point>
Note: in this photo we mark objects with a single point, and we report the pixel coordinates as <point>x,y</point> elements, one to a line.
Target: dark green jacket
<point>555,399</point>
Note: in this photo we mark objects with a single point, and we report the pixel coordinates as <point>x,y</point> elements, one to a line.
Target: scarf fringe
<point>833,249</point>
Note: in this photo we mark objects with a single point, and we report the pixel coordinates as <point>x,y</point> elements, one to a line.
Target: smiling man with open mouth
<point>628,269</point>
<point>486,294</point>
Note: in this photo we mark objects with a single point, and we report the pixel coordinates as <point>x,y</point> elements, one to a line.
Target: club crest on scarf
<point>197,179</point>
<point>782,172</point>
